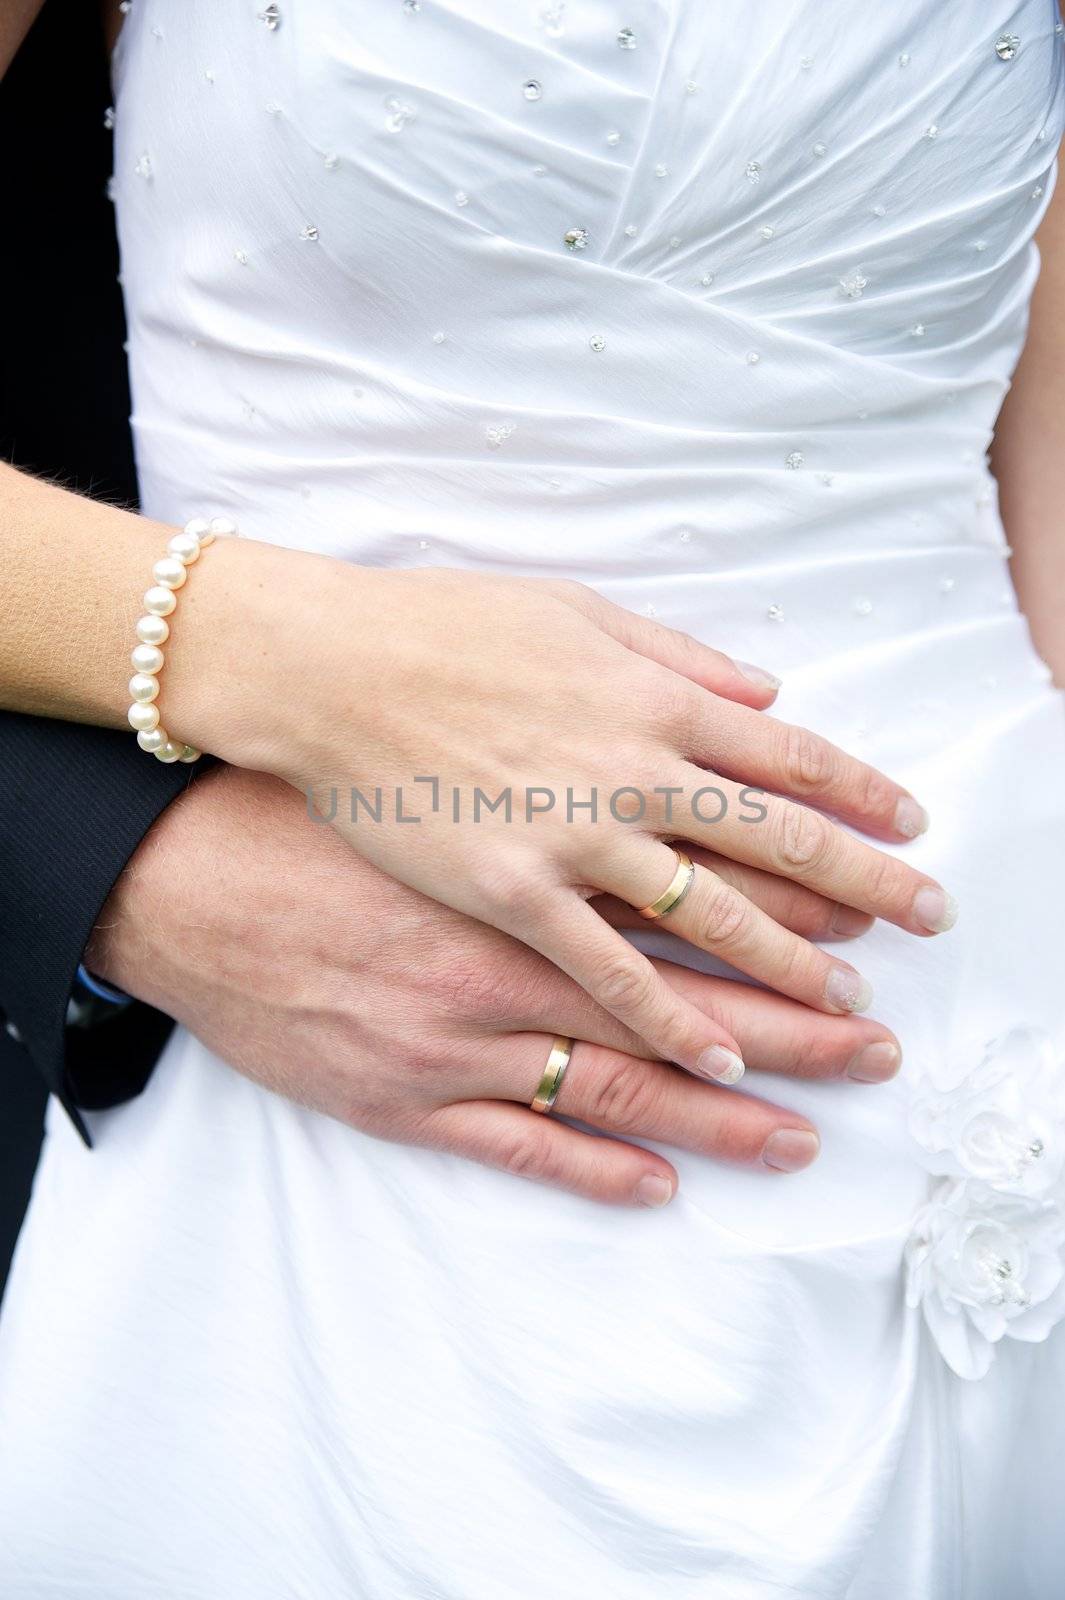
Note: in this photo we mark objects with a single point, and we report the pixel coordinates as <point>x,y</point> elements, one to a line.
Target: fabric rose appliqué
<point>986,1257</point>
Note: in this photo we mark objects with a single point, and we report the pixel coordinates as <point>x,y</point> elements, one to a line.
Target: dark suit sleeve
<point>75,802</point>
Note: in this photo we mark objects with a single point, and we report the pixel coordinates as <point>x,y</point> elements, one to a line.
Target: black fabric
<point>75,804</point>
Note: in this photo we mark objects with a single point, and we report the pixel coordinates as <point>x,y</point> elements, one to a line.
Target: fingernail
<point>935,909</point>
<point>848,922</point>
<point>653,1191</point>
<point>790,1149</point>
<point>848,991</point>
<point>910,818</point>
<point>875,1063</point>
<point>757,675</point>
<point>724,1066</point>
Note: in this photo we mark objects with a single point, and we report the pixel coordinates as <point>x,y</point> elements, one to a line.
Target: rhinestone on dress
<point>753,358</point>
<point>917,331</point>
<point>820,149</point>
<point>613,137</point>
<point>552,21</point>
<point>675,242</point>
<point>1006,46</point>
<point>576,239</point>
<point>495,436</point>
<point>854,286</point>
<point>109,118</point>
<point>766,232</point>
<point>461,197</point>
<point>661,171</point>
<point>241,256</point>
<point>932,131</point>
<point>806,62</point>
<point>271,17</point>
<point>691,87</point>
<point>794,459</point>
<point>707,279</point>
<point>775,613</point>
<point>332,162</point>
<point>411,6</point>
<point>631,230</point>
<point>904,59</point>
<point>753,171</point>
<point>863,607</point>
<point>1037,192</point>
<point>880,211</point>
<point>438,338</point>
<point>597,342</point>
<point>532,89</point>
<point>399,113</point>
<point>309,231</point>
<point>626,39</point>
<point>143,169</point>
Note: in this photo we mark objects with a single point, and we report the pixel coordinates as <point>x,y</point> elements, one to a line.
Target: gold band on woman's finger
<point>679,885</point>
<point>554,1072</point>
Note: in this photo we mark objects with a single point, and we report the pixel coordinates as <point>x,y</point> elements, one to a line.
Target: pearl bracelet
<point>153,630</point>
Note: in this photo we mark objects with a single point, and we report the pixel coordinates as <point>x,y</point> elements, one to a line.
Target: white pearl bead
<point>147,658</point>
<point>170,572</point>
<point>159,601</point>
<point>185,547</point>
<point>143,717</point>
<point>143,687</point>
<point>197,529</point>
<point>153,630</point>
<point>152,739</point>
<point>191,755</point>
<point>169,752</point>
<point>222,527</point>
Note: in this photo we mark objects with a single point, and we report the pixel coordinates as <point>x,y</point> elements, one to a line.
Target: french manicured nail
<point>724,1066</point>
<point>653,1190</point>
<point>875,1063</point>
<point>848,991</point>
<point>910,818</point>
<point>757,675</point>
<point>935,909</point>
<point>790,1149</point>
<point>847,922</point>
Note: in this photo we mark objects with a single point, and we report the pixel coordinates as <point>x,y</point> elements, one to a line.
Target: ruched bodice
<point>712,306</point>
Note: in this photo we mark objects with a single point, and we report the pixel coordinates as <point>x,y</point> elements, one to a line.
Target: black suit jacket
<point>74,804</point>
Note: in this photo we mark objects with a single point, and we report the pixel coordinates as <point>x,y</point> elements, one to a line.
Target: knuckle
<point>807,761</point>
<point>874,794</point>
<point>526,1155</point>
<point>624,982</point>
<point>622,1097</point>
<point>724,916</point>
<point>671,703</point>
<point>467,989</point>
<point>882,878</point>
<point>805,839</point>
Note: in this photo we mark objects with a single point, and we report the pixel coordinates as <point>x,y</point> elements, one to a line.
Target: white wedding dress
<point>711,306</point>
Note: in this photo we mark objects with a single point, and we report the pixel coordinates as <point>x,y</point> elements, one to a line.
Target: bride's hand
<point>352,677</point>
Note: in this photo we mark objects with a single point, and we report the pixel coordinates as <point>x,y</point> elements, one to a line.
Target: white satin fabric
<point>248,1352</point>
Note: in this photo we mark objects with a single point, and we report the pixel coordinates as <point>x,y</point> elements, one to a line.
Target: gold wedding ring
<point>679,885</point>
<point>554,1072</point>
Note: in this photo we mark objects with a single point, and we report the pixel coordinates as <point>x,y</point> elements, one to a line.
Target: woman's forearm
<point>72,588</point>
<point>1028,455</point>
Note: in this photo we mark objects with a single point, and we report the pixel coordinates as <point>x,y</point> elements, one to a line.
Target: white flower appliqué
<point>986,1257</point>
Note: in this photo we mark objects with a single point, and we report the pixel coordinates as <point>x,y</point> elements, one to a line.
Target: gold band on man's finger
<point>554,1072</point>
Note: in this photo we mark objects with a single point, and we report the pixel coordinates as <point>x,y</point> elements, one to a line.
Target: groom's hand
<point>318,977</point>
